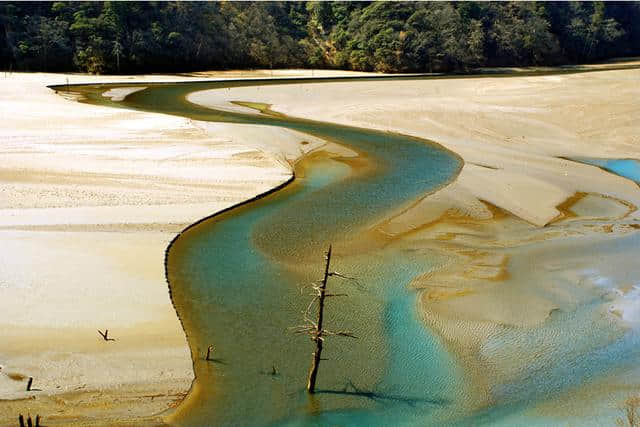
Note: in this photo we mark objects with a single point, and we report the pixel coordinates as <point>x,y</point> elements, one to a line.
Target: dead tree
<point>315,328</point>
<point>105,335</point>
<point>209,351</point>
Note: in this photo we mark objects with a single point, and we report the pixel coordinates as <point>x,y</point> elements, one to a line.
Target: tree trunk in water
<point>315,363</point>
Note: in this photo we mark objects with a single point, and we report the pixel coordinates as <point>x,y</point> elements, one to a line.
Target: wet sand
<point>517,205</point>
<point>91,197</point>
<point>539,251</point>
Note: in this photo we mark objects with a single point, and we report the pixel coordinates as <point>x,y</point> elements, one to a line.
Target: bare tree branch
<point>342,276</point>
<point>314,328</point>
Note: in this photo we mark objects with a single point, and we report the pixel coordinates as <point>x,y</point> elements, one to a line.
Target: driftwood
<point>29,421</point>
<point>105,335</point>
<point>30,383</point>
<point>315,328</point>
<point>209,351</point>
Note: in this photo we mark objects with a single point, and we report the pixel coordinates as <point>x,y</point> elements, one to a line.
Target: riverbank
<point>91,198</point>
<point>526,224</point>
<point>539,272</point>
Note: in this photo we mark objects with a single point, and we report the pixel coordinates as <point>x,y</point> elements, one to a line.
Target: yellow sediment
<point>566,211</point>
<point>565,207</point>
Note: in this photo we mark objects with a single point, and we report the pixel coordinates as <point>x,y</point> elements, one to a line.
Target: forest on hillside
<point>136,37</point>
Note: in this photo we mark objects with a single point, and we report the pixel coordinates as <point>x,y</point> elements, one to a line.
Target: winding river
<point>235,280</point>
<point>240,279</point>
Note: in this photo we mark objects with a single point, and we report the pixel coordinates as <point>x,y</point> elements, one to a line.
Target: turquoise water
<point>628,168</point>
<point>236,279</point>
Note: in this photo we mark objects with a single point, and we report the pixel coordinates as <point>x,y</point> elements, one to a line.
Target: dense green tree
<point>132,37</point>
<point>522,35</point>
<point>44,42</point>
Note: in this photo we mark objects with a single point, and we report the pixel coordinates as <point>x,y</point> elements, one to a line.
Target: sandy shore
<point>525,234</point>
<point>511,132</point>
<point>91,197</point>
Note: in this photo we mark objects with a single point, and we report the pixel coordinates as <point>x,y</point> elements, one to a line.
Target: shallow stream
<point>240,279</point>
<point>236,282</point>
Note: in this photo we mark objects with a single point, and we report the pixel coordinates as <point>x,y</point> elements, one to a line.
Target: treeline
<point>135,37</point>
